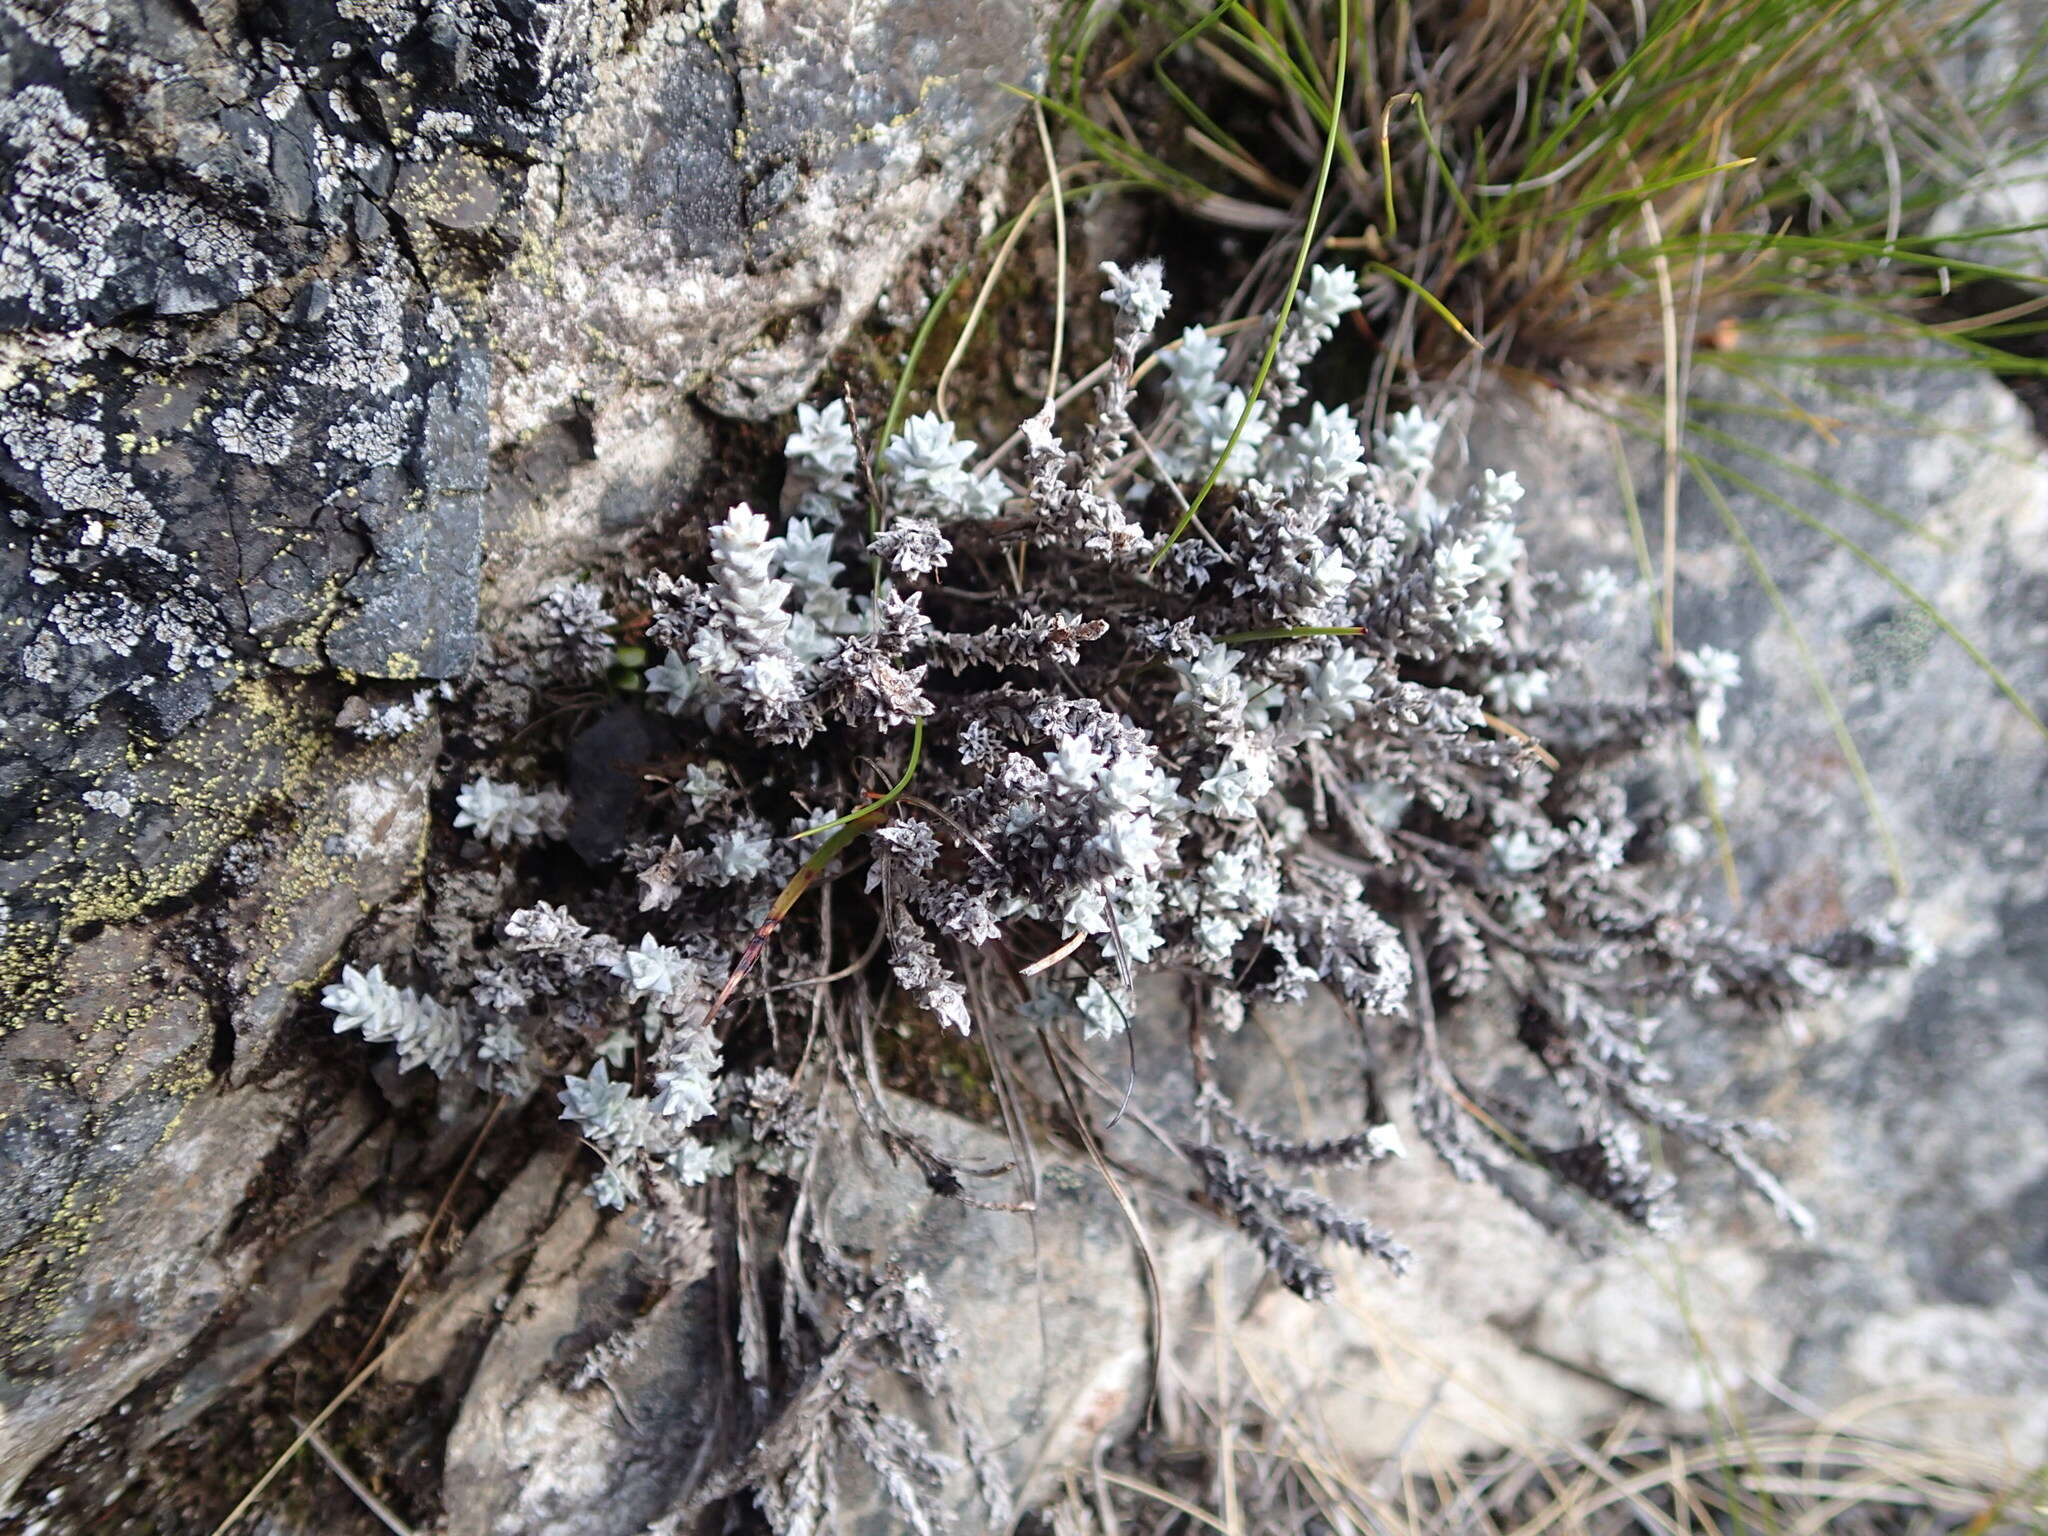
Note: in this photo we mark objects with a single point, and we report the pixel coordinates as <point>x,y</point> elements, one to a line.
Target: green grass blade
<point>1435,304</point>
<point>901,396</point>
<point>881,802</point>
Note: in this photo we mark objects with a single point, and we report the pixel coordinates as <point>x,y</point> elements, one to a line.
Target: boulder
<point>297,303</point>
<point>594,1409</point>
<point>1052,1310</point>
<point>160,1108</point>
<point>593,1406</point>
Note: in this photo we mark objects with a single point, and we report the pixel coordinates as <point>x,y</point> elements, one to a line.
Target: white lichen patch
<point>258,428</point>
<point>113,802</point>
<point>376,436</point>
<point>445,125</point>
<point>69,458</point>
<point>390,20</point>
<point>63,210</point>
<point>363,348</point>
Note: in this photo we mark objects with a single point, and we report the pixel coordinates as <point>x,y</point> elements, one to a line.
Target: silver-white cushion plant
<point>1264,755</point>
<point>1261,752</point>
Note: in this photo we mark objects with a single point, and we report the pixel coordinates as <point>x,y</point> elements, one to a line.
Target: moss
<point>936,1066</point>
<point>1890,646</point>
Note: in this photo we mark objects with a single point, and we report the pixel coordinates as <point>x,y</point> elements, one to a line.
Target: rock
<point>1912,1103</point>
<point>294,301</point>
<point>608,761</point>
<point>697,232</point>
<point>147,1079</point>
<point>1434,1360</point>
<point>1051,1311</point>
<point>485,1272</point>
<point>594,1404</point>
<point>293,1291</point>
<point>692,236</point>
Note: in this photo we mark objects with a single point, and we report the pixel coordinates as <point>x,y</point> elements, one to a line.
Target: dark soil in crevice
<point>2027,343</point>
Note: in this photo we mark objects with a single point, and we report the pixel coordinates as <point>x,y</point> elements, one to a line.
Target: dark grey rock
<point>416,599</point>
<point>146,1081</point>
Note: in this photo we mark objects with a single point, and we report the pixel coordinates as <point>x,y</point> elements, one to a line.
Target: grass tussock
<point>1550,181</point>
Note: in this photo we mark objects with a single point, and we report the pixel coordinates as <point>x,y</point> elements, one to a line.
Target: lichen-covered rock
<point>741,184</point>
<point>295,303</point>
<point>146,1081</point>
<point>739,164</point>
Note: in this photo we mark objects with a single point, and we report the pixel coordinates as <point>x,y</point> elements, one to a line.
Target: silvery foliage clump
<point>424,1033</point>
<point>1036,749</point>
<point>1291,750</point>
<point>504,813</point>
<point>531,994</point>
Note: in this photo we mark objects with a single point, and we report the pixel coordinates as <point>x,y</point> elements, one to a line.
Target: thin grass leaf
<point>881,802</point>
<point>1666,638</point>
<point>1574,212</point>
<point>1429,300</point>
<point>901,395</point>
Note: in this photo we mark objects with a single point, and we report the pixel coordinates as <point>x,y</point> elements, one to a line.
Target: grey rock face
<point>293,301</point>
<point>1912,1104</point>
<point>1051,1311</point>
<point>592,1407</point>
<point>1915,1109</point>
<point>776,170</point>
<point>147,1078</point>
